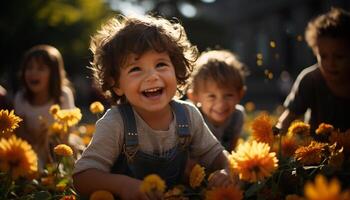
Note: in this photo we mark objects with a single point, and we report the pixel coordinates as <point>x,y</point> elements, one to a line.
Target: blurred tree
<point>66,24</point>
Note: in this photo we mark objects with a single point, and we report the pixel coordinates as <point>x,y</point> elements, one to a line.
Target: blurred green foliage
<point>66,24</point>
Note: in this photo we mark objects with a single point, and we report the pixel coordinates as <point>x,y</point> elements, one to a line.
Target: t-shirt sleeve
<point>299,98</point>
<point>239,116</point>
<point>204,145</point>
<point>105,146</point>
<point>67,98</point>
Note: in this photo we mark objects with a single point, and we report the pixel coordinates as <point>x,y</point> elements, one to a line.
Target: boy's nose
<point>152,75</point>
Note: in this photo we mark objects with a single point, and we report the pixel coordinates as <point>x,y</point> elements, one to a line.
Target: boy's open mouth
<point>153,92</point>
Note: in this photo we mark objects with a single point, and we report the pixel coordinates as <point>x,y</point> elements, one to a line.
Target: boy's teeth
<point>152,90</point>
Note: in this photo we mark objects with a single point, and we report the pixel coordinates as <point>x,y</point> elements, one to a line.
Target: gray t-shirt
<point>106,144</point>
<point>310,91</point>
<point>231,130</point>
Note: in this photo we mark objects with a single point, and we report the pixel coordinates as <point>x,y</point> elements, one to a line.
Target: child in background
<point>44,84</point>
<point>324,88</point>
<point>141,62</point>
<point>217,87</point>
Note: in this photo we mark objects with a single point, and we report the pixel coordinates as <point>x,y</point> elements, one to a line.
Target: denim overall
<point>169,166</point>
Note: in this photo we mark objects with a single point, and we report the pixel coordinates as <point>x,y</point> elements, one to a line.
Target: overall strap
<point>182,123</point>
<point>131,142</point>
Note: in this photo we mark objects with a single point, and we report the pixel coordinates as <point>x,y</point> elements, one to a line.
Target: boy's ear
<point>242,92</point>
<point>118,91</point>
<point>191,95</point>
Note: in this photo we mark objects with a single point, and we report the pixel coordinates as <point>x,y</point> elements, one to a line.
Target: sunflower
<point>152,183</point>
<point>300,128</point>
<point>17,157</point>
<point>222,193</point>
<point>324,128</point>
<point>309,155</point>
<point>54,109</point>
<point>322,189</point>
<point>262,129</point>
<point>63,150</point>
<point>197,176</point>
<point>101,195</point>
<point>96,107</point>
<point>68,116</point>
<point>8,121</point>
<point>253,161</point>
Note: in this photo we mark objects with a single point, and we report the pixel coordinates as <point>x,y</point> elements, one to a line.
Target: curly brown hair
<point>334,24</point>
<point>122,36</point>
<point>220,66</point>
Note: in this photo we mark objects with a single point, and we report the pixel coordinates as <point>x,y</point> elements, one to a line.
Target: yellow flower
<point>249,106</point>
<point>17,157</point>
<point>101,195</point>
<point>197,176</point>
<point>324,128</point>
<point>63,150</point>
<point>322,189</point>
<point>61,186</point>
<point>8,121</point>
<point>68,116</point>
<point>68,197</point>
<point>96,107</point>
<point>309,155</point>
<point>152,183</point>
<point>262,129</point>
<point>54,109</point>
<point>289,145</point>
<point>299,128</point>
<point>253,161</point>
<point>56,128</point>
<point>223,193</point>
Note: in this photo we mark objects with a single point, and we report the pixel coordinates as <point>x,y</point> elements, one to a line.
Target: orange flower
<point>8,121</point>
<point>253,161</point>
<point>309,155</point>
<point>322,189</point>
<point>17,157</point>
<point>324,128</point>
<point>342,140</point>
<point>197,176</point>
<point>262,129</point>
<point>222,193</point>
<point>299,128</point>
<point>289,145</point>
<point>153,183</point>
<point>54,109</point>
<point>68,197</point>
<point>96,107</point>
<point>63,150</point>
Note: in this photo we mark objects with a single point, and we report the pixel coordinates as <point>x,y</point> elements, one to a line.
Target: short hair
<point>334,24</point>
<point>50,56</point>
<point>121,36</point>
<point>220,66</point>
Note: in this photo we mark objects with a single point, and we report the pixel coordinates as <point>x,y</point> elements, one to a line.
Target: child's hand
<point>220,178</point>
<point>131,190</point>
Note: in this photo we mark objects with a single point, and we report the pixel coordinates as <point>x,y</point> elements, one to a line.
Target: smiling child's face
<point>148,81</point>
<point>37,76</point>
<point>333,56</point>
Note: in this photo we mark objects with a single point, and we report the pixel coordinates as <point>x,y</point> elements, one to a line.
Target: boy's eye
<point>134,69</point>
<point>161,64</point>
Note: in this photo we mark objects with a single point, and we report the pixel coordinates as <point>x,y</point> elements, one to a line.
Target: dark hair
<point>220,66</point>
<point>51,57</point>
<point>334,24</point>
<point>121,36</point>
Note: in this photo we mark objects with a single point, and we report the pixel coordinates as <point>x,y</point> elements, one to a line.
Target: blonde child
<point>44,84</point>
<point>324,88</point>
<point>141,62</point>
<point>217,87</point>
